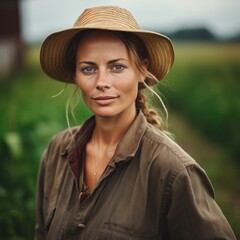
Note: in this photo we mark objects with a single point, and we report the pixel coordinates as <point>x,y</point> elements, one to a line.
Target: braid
<point>151,114</point>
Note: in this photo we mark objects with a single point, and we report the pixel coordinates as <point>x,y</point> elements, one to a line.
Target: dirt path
<point>192,140</point>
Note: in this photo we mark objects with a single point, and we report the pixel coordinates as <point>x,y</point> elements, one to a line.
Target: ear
<point>144,73</point>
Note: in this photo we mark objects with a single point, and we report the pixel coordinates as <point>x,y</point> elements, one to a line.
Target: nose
<point>103,81</point>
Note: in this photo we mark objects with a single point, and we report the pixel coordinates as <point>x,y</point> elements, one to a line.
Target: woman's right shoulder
<point>61,140</point>
<point>65,135</point>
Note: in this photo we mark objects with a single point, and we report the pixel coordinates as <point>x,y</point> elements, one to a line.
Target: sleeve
<point>40,232</point>
<point>193,212</point>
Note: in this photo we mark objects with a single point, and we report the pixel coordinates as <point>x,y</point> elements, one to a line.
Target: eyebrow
<point>109,62</point>
<point>116,60</point>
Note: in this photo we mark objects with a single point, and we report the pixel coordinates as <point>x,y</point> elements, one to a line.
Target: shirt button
<point>81,225</point>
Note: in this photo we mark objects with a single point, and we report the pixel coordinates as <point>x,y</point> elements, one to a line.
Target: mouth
<point>104,100</point>
<point>104,97</point>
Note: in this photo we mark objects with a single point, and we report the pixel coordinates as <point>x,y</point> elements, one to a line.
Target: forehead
<point>100,36</point>
<point>98,40</point>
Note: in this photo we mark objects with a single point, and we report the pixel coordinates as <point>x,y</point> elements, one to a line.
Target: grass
<point>204,86</point>
<point>203,101</point>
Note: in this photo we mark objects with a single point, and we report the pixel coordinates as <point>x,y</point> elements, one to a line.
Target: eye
<point>118,67</point>
<point>88,70</point>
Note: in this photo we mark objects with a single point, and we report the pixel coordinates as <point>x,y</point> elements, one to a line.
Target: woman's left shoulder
<point>165,151</point>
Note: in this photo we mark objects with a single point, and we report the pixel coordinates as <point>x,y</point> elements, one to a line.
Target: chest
<point>121,205</point>
<point>94,164</point>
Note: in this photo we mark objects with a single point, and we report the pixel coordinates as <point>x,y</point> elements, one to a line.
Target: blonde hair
<point>138,54</point>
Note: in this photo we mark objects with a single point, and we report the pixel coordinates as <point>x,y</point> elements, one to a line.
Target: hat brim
<point>54,48</point>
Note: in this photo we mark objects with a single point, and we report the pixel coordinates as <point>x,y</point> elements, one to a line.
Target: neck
<point>109,130</point>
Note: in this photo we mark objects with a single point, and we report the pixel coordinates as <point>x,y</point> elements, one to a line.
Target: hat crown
<point>107,17</point>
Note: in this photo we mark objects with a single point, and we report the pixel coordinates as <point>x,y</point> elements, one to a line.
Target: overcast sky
<point>222,17</point>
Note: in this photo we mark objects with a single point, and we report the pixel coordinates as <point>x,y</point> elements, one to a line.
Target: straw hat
<point>54,47</point>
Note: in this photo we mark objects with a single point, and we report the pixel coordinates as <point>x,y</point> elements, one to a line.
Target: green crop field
<point>201,93</point>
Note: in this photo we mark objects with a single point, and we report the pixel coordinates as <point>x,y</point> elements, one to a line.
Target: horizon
<point>220,17</point>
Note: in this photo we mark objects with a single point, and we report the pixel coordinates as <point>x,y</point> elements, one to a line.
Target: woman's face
<point>106,76</point>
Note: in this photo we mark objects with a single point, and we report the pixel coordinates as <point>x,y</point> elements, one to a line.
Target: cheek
<point>85,95</point>
<point>83,85</point>
<point>86,99</point>
<point>130,88</point>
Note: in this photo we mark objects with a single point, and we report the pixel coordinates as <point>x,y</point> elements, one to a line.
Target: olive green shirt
<point>151,189</point>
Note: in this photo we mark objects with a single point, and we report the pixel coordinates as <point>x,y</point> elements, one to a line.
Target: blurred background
<point>201,93</point>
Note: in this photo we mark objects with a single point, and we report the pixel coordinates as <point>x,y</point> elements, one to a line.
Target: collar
<point>130,142</point>
<point>125,150</point>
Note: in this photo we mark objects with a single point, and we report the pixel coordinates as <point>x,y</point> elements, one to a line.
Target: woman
<point>118,176</point>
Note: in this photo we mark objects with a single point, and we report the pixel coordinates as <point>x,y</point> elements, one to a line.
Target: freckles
<point>130,93</point>
<point>84,86</point>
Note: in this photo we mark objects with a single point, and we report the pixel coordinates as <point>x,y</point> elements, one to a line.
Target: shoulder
<point>64,138</point>
<point>165,153</point>
<point>60,142</point>
<point>65,142</point>
<point>170,163</point>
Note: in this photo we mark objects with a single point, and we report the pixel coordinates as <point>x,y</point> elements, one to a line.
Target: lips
<point>104,97</point>
<point>104,100</point>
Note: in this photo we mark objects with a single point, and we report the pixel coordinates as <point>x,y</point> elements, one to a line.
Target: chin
<point>105,114</point>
